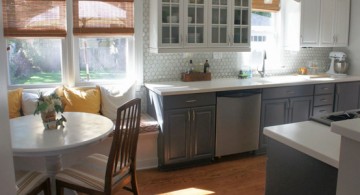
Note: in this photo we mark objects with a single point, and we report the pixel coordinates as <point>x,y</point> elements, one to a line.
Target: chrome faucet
<point>262,71</point>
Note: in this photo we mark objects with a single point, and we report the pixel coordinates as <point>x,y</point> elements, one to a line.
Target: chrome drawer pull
<point>325,88</point>
<point>322,110</point>
<point>190,101</point>
<point>323,100</point>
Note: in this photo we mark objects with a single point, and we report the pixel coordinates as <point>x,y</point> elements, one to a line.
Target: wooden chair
<point>32,183</point>
<point>99,174</point>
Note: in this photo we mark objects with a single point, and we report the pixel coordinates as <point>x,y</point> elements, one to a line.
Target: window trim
<point>70,61</point>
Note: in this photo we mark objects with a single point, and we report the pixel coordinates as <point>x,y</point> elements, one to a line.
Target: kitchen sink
<point>292,79</point>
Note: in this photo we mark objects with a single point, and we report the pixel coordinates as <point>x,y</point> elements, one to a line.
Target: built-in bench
<point>25,103</point>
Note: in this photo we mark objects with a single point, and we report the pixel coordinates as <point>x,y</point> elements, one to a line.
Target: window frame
<point>70,56</point>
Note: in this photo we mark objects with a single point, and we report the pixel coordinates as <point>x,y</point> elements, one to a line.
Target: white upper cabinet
<point>324,23</point>
<point>310,23</point>
<point>342,22</point>
<point>200,25</point>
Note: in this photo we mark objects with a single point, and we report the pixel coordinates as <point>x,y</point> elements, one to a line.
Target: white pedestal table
<point>29,138</point>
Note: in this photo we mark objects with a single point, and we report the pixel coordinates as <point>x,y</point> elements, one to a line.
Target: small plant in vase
<point>47,106</point>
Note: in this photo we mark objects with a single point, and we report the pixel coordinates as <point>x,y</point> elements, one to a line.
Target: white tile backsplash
<point>168,67</point>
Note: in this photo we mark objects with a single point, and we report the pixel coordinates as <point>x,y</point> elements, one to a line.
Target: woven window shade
<point>103,17</point>
<point>259,5</point>
<point>34,18</point>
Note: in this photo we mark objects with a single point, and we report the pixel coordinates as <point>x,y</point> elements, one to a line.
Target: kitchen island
<point>303,158</point>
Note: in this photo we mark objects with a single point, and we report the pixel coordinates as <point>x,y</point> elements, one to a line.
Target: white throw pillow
<point>113,97</point>
<point>29,100</point>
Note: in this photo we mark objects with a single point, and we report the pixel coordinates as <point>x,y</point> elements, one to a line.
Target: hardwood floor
<point>228,175</point>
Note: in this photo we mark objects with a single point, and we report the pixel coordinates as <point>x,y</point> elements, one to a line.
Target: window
<point>102,30</point>
<point>36,35</point>
<point>264,40</point>
<point>103,59</point>
<point>34,61</point>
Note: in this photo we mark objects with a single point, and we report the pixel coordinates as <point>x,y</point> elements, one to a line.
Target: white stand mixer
<point>336,56</point>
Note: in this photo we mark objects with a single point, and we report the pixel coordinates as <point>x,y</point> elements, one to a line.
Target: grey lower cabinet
<point>187,128</point>
<point>347,96</point>
<point>189,134</point>
<point>284,105</point>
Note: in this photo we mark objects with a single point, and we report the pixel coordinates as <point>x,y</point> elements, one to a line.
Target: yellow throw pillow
<point>14,102</point>
<point>86,100</point>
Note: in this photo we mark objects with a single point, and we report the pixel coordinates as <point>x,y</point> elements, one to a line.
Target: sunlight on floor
<point>189,191</point>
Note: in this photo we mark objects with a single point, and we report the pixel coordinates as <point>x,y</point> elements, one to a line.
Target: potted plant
<point>48,106</point>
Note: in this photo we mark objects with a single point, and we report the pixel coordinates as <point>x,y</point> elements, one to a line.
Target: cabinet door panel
<point>202,132</point>
<point>327,23</point>
<point>195,21</point>
<point>342,19</point>
<point>274,112</point>
<point>171,20</point>
<point>219,34</point>
<point>176,134</point>
<point>300,109</point>
<point>310,22</point>
<point>347,96</point>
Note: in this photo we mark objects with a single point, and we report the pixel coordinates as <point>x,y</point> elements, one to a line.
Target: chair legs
<point>45,186</point>
<point>134,183</point>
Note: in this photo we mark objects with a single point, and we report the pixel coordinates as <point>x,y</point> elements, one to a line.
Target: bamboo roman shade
<point>259,5</point>
<point>103,17</point>
<point>34,18</point>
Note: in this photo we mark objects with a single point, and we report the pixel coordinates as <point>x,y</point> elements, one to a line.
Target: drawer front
<point>286,92</point>
<point>321,100</point>
<point>189,100</point>
<point>320,110</point>
<point>324,89</point>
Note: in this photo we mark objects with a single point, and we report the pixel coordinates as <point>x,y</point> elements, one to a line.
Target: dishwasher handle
<point>236,94</point>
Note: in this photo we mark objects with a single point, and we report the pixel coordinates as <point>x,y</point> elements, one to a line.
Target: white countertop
<point>309,137</point>
<point>347,128</point>
<point>179,87</point>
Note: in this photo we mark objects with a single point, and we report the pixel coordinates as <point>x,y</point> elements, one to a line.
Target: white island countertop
<point>309,137</point>
<point>180,88</point>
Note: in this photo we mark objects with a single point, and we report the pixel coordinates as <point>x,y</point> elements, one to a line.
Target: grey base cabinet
<point>187,128</point>
<point>284,105</point>
<point>347,96</point>
<point>189,134</point>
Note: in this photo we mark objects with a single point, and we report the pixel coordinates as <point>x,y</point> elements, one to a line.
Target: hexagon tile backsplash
<point>168,67</point>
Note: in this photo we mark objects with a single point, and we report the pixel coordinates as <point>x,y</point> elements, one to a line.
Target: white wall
<point>7,178</point>
<point>353,51</point>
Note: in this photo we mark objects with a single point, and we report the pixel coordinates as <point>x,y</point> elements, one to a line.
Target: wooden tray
<point>196,76</point>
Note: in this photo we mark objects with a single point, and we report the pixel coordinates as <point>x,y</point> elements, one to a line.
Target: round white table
<point>29,137</point>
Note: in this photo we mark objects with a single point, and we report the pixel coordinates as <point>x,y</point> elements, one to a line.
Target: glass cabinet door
<point>219,22</point>
<point>195,20</point>
<point>241,30</point>
<point>170,22</point>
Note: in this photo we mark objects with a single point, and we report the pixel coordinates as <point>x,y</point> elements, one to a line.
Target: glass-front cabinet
<point>195,23</point>
<point>199,25</point>
<point>171,21</point>
<point>241,17</point>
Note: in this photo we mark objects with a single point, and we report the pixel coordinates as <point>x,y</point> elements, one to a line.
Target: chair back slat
<point>122,156</point>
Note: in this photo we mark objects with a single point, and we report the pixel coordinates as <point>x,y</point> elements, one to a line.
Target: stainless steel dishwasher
<point>237,121</point>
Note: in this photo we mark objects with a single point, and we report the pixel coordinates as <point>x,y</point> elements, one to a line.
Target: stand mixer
<point>337,59</point>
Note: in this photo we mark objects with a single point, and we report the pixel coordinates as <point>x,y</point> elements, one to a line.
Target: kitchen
<point>163,93</point>
<point>167,67</point>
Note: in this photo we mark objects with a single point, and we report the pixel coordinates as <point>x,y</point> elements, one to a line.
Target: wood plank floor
<point>228,175</point>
